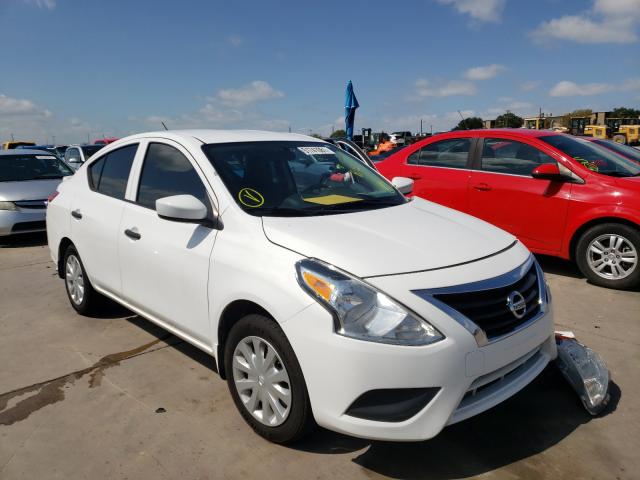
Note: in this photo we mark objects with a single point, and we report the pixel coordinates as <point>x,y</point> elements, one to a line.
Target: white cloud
<point>484,73</point>
<point>235,40</point>
<point>48,4</point>
<point>13,106</point>
<point>255,91</point>
<point>567,88</point>
<point>480,10</point>
<point>425,88</point>
<point>608,21</point>
<point>530,85</point>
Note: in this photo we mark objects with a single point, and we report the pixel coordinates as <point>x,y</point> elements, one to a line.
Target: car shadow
<point>38,239</point>
<point>558,266</point>
<point>535,419</point>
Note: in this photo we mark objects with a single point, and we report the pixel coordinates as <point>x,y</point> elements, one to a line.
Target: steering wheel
<point>321,185</point>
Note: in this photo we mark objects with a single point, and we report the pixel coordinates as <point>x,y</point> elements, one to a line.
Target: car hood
<point>416,236</point>
<point>28,190</point>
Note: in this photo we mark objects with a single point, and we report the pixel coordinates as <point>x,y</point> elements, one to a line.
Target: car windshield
<point>89,150</point>
<point>626,150</point>
<point>18,168</point>
<point>596,158</point>
<point>298,179</point>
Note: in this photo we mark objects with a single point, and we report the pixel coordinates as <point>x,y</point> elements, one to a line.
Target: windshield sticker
<point>250,198</point>
<point>590,165</point>
<point>316,150</point>
<point>331,199</point>
<point>45,157</point>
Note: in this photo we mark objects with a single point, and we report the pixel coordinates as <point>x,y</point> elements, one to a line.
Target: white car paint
<point>182,276</point>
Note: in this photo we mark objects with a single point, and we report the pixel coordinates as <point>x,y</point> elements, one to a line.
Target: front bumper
<point>470,378</point>
<point>22,221</point>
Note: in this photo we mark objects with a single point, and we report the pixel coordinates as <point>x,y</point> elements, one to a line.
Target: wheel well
<point>598,221</point>
<point>64,243</point>
<point>230,315</point>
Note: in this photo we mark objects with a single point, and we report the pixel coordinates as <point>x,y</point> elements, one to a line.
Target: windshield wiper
<point>285,211</point>
<point>49,176</point>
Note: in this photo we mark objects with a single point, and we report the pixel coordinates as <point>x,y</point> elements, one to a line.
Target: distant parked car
<point>27,179</point>
<point>76,155</point>
<point>400,138</point>
<point>105,141</point>
<point>560,195</point>
<point>625,150</point>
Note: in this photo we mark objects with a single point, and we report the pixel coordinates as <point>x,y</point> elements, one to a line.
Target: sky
<point>81,69</point>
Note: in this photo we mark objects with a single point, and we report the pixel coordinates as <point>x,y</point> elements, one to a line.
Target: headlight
<point>361,311</point>
<point>8,206</point>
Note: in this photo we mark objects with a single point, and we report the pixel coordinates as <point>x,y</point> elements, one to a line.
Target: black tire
<point>631,234</point>
<point>299,421</point>
<point>619,138</point>
<point>91,299</point>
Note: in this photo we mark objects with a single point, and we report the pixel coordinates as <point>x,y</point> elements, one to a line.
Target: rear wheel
<point>265,380</point>
<point>84,299</point>
<point>608,255</point>
<point>619,138</point>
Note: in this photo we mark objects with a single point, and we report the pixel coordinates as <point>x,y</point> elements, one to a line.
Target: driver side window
<point>502,155</point>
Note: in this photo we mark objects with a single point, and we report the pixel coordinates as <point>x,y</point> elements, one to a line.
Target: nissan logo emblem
<point>517,304</point>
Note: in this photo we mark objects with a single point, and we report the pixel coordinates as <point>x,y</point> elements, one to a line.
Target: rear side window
<point>452,153</point>
<point>168,172</point>
<point>110,174</point>
<point>501,155</point>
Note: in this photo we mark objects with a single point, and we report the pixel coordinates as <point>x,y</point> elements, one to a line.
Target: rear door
<point>96,214</point>
<point>503,192</point>
<point>441,172</point>
<point>164,263</point>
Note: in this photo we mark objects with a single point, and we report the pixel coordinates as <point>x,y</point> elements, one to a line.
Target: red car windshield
<point>594,157</point>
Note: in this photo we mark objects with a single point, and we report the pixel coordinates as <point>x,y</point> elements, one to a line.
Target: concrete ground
<point>117,397</point>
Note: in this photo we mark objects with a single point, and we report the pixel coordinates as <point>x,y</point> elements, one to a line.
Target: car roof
<point>227,136</point>
<point>518,131</point>
<point>24,151</point>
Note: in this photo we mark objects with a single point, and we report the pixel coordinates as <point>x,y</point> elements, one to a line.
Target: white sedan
<point>324,295</point>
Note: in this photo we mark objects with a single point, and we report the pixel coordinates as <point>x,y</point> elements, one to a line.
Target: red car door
<point>503,192</point>
<point>439,168</point>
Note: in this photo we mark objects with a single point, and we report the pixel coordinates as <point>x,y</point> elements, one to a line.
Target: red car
<point>560,195</point>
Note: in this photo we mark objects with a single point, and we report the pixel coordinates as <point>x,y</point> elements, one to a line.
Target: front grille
<point>489,309</point>
<point>28,226</point>
<point>39,204</point>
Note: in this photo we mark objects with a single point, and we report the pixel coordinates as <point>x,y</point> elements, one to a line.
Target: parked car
<point>626,151</point>
<point>27,179</point>
<point>351,148</point>
<point>560,195</point>
<point>325,298</point>
<point>400,138</point>
<point>76,155</point>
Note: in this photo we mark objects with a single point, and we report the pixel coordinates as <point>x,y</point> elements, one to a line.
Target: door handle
<point>133,235</point>
<point>483,187</point>
<point>76,214</point>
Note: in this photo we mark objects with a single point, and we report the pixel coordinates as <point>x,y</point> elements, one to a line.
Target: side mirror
<point>403,184</point>
<point>181,208</point>
<point>548,171</point>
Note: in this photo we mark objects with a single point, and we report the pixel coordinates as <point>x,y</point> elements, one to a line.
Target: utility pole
<point>420,127</point>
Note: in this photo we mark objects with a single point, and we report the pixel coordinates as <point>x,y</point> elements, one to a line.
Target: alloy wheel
<point>262,381</point>
<point>74,279</point>
<point>612,256</point>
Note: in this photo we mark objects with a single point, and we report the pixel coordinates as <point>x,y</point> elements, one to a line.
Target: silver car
<point>27,179</point>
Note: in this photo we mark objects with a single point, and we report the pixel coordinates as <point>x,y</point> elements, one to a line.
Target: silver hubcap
<point>612,256</point>
<point>262,381</point>
<point>75,279</point>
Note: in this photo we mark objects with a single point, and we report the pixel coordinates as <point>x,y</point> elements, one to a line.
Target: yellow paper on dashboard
<point>331,199</point>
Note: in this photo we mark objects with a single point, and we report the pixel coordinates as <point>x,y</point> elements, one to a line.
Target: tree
<point>469,123</point>
<point>509,120</point>
<point>339,133</point>
<point>624,112</point>
<point>316,135</point>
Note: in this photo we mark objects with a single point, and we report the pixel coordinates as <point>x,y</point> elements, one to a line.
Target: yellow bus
<point>13,144</point>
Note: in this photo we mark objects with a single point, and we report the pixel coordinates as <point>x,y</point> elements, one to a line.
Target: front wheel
<point>620,139</point>
<point>265,380</point>
<point>608,255</point>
